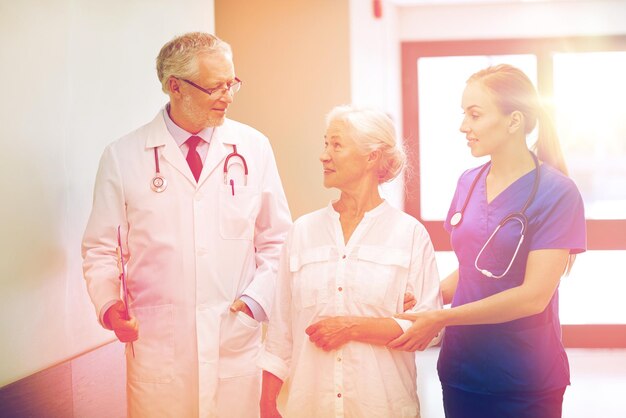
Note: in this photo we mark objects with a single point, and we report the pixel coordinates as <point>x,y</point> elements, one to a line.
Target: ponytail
<point>547,146</point>
<point>548,150</point>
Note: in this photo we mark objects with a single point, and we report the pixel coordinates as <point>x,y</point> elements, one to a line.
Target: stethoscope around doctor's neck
<point>159,183</point>
<point>519,217</point>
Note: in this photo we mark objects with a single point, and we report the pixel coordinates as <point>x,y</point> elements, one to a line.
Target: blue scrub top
<point>524,355</point>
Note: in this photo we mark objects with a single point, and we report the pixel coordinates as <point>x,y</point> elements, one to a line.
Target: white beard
<point>199,116</point>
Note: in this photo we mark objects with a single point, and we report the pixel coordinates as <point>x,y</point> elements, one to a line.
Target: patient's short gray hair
<point>373,130</point>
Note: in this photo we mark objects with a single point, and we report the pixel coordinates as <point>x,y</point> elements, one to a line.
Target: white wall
<point>76,75</point>
<point>375,70</point>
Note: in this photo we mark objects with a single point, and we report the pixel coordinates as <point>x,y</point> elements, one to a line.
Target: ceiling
<point>436,2</point>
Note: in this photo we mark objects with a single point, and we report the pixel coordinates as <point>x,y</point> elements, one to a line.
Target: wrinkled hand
<point>240,305</point>
<point>330,333</point>
<point>409,301</point>
<point>426,326</point>
<point>126,330</point>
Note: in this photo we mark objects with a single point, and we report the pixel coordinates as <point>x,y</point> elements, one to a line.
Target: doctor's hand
<point>409,301</point>
<point>330,333</point>
<point>269,393</point>
<point>126,330</point>
<point>240,305</point>
<point>426,326</point>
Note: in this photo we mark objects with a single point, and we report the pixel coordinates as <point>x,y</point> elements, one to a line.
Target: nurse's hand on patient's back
<point>126,330</point>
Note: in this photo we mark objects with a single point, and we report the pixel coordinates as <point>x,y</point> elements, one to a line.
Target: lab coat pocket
<point>310,276</point>
<point>154,349</point>
<point>380,270</point>
<point>238,208</point>
<point>240,343</point>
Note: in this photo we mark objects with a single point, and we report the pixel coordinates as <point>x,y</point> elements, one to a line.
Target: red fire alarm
<point>378,9</point>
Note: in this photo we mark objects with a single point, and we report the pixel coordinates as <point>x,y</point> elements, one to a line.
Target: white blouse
<point>388,254</point>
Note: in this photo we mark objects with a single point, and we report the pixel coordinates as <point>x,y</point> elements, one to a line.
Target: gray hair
<point>373,130</point>
<point>178,57</point>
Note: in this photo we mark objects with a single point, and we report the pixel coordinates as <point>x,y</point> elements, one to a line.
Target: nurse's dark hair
<point>513,91</point>
<point>373,130</point>
<point>178,57</point>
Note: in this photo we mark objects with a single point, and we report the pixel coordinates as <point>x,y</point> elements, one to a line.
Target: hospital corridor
<point>274,206</point>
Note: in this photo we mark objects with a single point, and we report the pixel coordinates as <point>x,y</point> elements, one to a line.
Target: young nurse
<point>502,354</point>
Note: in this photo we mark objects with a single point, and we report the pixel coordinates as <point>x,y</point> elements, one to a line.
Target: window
<point>584,79</point>
<point>593,130</point>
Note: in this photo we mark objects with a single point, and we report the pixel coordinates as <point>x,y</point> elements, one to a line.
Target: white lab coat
<point>191,250</point>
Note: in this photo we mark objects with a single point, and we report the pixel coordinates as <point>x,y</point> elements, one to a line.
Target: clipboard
<point>122,267</point>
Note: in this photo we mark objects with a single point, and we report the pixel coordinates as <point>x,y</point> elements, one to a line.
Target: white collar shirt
<point>319,276</point>
<point>181,136</point>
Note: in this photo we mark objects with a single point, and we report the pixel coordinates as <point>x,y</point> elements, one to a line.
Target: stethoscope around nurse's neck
<point>520,217</point>
<point>159,183</point>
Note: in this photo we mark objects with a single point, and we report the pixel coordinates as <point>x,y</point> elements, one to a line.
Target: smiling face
<point>345,166</point>
<point>193,109</point>
<point>485,127</point>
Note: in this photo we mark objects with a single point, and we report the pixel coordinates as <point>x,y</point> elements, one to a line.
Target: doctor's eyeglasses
<point>232,87</point>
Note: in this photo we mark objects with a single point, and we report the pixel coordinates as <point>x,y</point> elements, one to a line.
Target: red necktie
<point>193,158</point>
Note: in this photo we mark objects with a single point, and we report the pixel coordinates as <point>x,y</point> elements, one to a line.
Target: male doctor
<point>203,216</point>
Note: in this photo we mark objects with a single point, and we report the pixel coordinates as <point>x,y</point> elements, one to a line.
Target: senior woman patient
<point>343,274</point>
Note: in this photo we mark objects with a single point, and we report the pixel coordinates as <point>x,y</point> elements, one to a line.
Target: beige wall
<point>294,58</point>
